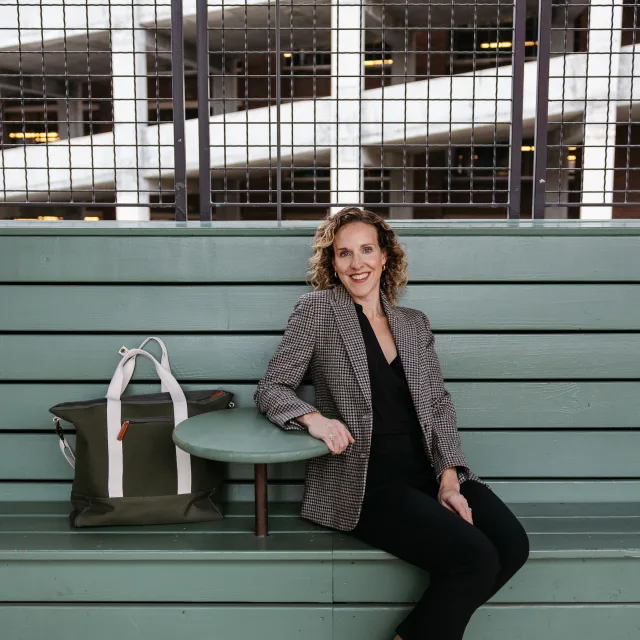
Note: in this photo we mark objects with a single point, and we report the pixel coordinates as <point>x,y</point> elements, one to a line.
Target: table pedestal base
<point>262,508</point>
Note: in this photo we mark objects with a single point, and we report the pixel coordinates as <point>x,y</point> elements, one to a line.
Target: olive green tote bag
<point>128,470</point>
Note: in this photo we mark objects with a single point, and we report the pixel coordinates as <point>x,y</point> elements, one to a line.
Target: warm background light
<point>377,63</point>
<point>38,136</point>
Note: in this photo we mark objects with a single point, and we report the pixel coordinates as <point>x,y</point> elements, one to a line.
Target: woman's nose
<point>356,260</point>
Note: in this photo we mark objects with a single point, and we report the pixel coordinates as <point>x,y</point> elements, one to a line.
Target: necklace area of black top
<point>393,409</point>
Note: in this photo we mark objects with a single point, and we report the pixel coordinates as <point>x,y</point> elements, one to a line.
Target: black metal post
<point>204,144</point>
<point>262,505</point>
<point>517,97</point>
<point>177,79</point>
<point>542,109</point>
<point>278,120</point>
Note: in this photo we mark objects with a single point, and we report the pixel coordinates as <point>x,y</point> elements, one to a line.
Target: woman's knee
<point>515,555</point>
<point>479,558</point>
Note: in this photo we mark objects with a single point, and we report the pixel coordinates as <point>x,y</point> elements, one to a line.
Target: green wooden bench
<point>538,331</point>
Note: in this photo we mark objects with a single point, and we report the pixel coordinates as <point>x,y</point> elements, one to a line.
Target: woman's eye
<point>343,254</point>
<point>367,248</point>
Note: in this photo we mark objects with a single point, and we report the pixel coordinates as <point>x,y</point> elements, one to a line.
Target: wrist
<point>449,480</point>
<point>309,418</point>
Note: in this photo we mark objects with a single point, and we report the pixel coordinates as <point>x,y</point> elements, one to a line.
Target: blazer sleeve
<point>446,447</point>
<point>275,395</point>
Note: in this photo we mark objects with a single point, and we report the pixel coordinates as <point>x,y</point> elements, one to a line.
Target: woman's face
<point>358,258</point>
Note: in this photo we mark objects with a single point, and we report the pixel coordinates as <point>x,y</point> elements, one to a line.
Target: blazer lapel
<point>349,327</point>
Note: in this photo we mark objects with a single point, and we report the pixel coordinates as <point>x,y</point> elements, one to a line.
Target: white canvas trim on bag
<point>131,364</point>
<point>117,386</point>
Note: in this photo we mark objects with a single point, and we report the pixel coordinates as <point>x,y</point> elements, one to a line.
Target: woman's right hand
<point>323,428</point>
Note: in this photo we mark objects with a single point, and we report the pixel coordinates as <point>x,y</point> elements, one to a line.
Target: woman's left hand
<point>453,500</point>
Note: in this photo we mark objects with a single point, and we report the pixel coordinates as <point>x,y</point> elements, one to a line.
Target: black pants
<point>467,563</point>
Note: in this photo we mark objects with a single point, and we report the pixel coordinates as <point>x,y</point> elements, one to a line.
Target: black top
<point>393,410</point>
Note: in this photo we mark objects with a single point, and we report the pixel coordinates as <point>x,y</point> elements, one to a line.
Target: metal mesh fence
<point>247,109</point>
<point>86,108</point>
<point>404,107</point>
<point>588,121</point>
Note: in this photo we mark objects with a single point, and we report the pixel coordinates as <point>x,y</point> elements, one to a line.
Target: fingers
<point>458,505</point>
<point>330,443</point>
<point>465,512</point>
<point>341,437</point>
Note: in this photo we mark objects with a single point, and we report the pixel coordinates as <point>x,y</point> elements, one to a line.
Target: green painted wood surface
<point>205,567</point>
<point>499,622</point>
<point>495,454</point>
<point>542,256</point>
<point>153,622</point>
<point>479,405</point>
<point>592,520</point>
<point>244,435</point>
<point>288,228</point>
<point>45,560</point>
<point>450,307</point>
<point>165,579</point>
<point>542,579</point>
<point>491,622</point>
<point>600,513</point>
<point>231,357</point>
<point>562,491</point>
<point>535,410</point>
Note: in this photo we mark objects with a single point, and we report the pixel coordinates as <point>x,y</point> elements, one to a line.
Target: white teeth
<point>366,275</point>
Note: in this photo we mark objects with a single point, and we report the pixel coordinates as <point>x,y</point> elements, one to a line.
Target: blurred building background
<point>401,106</point>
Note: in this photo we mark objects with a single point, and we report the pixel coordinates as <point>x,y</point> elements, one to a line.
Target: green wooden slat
<point>74,578</point>
<point>26,406</point>
<point>541,256</point>
<point>499,622</point>
<point>266,308</point>
<point>153,622</point>
<point>592,546</point>
<point>542,579</point>
<point>594,525</point>
<point>232,511</point>
<point>479,405</point>
<point>513,492</point>
<point>245,357</point>
<point>566,491</point>
<point>553,454</point>
<point>231,525</point>
<point>564,511</point>
<point>63,568</point>
<point>60,491</point>
<point>269,228</point>
<point>495,454</point>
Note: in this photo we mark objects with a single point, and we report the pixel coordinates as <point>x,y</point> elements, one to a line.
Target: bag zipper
<point>141,399</point>
<point>126,423</point>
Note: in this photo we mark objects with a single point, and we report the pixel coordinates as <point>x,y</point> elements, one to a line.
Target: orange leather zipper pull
<point>123,429</point>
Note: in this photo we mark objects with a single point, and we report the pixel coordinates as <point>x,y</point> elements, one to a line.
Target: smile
<point>359,277</point>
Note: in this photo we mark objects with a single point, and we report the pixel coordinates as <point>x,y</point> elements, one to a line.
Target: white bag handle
<point>114,420</point>
<point>131,364</point>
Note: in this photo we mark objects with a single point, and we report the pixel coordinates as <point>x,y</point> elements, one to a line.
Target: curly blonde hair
<point>321,272</point>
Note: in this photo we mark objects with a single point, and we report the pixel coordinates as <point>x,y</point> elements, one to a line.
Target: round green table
<point>245,435</point>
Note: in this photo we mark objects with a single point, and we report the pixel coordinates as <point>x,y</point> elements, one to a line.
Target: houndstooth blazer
<point>323,336</point>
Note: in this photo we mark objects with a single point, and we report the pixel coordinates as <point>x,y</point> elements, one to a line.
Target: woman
<point>396,477</point>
